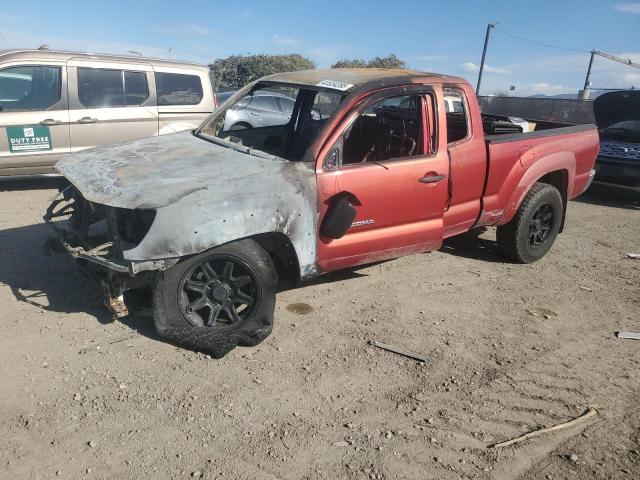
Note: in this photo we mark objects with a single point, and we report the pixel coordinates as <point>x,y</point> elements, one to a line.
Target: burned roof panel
<point>349,78</point>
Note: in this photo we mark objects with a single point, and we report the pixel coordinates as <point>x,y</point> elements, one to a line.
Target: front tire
<point>531,233</point>
<point>216,300</point>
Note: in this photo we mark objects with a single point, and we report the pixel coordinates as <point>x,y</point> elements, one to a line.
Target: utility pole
<point>484,54</point>
<point>170,48</point>
<point>584,93</point>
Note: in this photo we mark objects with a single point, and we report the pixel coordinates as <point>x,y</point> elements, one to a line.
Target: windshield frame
<point>263,84</point>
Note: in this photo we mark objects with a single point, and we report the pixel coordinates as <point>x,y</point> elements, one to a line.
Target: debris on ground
<point>629,335</point>
<point>546,313</point>
<point>399,351</point>
<point>341,443</point>
<point>592,412</point>
<point>634,255</point>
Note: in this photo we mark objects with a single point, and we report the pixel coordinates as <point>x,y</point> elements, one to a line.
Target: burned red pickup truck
<point>338,168</point>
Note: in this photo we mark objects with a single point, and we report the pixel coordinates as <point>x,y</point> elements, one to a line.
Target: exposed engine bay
<point>96,236</point>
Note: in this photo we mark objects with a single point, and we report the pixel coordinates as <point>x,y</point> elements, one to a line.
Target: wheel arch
<point>560,180</point>
<point>556,169</point>
<point>283,253</point>
<point>243,123</point>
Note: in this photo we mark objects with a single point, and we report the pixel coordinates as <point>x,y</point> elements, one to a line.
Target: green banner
<point>28,139</point>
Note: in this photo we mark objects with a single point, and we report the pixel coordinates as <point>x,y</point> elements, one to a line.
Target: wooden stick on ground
<point>399,351</point>
<point>536,433</point>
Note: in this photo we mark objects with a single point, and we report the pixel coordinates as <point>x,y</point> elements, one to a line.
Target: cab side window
<point>99,88</point>
<point>29,88</point>
<point>389,129</point>
<point>178,89</point>
<point>457,115</point>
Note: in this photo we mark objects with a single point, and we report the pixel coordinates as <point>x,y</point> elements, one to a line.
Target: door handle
<point>88,120</point>
<point>47,122</point>
<point>431,179</point>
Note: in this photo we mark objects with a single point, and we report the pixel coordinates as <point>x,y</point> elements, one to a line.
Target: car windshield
<point>629,129</point>
<point>276,119</point>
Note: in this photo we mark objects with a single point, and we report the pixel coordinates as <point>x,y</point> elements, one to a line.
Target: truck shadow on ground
<point>606,196</point>
<point>472,245</point>
<point>53,283</point>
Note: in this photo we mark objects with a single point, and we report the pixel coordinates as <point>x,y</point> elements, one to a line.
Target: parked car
<point>54,103</point>
<point>212,222</point>
<point>262,109</point>
<point>618,118</point>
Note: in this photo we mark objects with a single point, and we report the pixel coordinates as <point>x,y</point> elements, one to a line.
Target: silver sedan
<point>261,109</point>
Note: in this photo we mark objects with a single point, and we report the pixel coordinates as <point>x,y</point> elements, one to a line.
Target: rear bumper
<point>618,173</point>
<point>592,176</point>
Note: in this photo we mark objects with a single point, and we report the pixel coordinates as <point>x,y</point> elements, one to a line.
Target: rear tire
<point>218,299</point>
<point>531,233</point>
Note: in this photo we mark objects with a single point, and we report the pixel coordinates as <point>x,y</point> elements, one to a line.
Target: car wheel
<point>531,233</point>
<point>240,126</point>
<point>218,299</point>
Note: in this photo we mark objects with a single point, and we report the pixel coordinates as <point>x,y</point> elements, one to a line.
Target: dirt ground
<point>510,348</point>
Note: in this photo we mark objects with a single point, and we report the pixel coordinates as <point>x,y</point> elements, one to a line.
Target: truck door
<point>34,118</point>
<point>387,163</point>
<point>110,103</point>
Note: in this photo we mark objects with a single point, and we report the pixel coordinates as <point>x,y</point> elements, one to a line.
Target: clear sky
<point>443,36</point>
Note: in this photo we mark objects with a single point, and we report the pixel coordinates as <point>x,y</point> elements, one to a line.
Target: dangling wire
<point>548,45</point>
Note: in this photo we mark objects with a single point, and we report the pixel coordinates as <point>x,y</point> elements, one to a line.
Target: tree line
<point>236,71</point>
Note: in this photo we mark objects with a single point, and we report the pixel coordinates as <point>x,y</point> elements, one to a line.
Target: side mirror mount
<point>331,159</point>
<point>338,219</point>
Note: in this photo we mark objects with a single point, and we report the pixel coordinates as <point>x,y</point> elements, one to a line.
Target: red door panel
<point>397,214</point>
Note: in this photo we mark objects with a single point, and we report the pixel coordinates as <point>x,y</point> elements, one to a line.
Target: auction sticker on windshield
<point>334,84</point>
<point>28,139</point>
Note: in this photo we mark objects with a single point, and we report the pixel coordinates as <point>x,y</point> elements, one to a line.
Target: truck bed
<point>562,153</point>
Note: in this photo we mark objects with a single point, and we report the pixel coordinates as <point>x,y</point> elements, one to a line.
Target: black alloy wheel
<point>529,235</point>
<point>219,290</point>
<point>541,225</point>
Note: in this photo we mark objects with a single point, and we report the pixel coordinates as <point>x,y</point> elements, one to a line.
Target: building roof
<point>37,54</point>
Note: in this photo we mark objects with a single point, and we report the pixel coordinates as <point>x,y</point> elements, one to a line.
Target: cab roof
<point>348,79</point>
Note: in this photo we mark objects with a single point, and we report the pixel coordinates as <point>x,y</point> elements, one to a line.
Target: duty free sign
<point>28,139</point>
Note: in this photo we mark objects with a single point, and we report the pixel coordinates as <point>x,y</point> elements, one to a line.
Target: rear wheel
<point>531,233</point>
<point>216,300</point>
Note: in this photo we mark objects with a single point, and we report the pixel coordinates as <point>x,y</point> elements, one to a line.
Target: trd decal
<point>361,223</point>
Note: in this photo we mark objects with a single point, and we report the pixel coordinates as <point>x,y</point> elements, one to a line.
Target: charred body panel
<point>203,195</point>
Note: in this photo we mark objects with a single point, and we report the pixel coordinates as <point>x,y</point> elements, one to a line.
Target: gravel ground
<point>510,348</point>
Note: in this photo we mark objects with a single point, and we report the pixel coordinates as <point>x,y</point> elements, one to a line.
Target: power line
<point>523,39</point>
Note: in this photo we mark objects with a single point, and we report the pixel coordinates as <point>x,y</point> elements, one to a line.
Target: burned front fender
<point>283,201</point>
<point>203,195</point>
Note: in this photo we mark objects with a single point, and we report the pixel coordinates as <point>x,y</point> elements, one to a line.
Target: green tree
<point>355,63</point>
<point>390,61</point>
<point>238,70</point>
